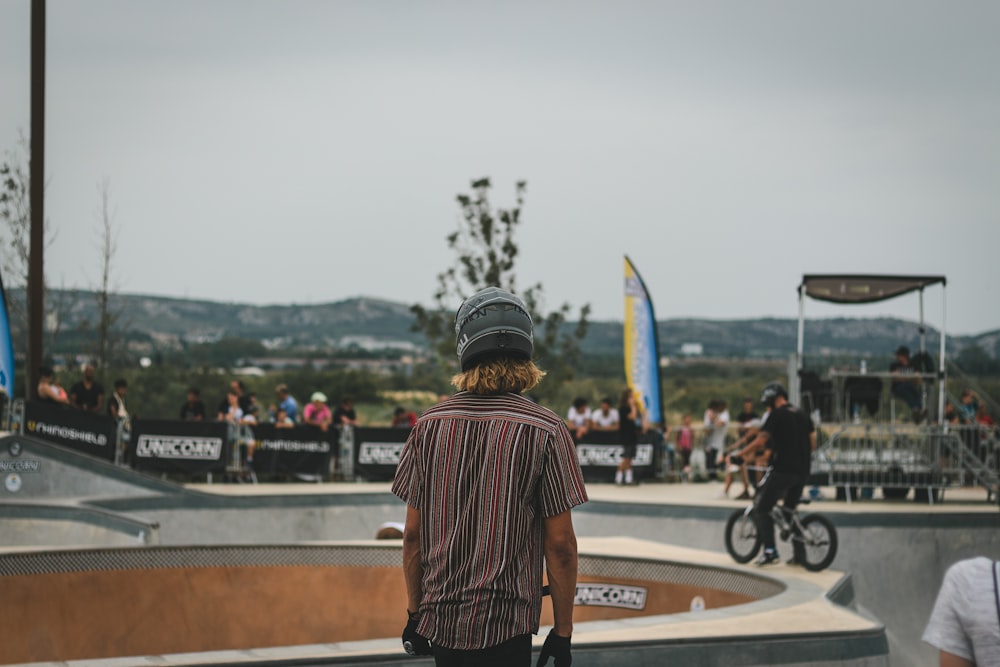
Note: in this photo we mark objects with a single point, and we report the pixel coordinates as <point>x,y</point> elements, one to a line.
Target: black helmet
<point>770,392</point>
<point>492,321</point>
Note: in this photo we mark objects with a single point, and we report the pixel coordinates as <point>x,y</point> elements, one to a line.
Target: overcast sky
<point>301,152</point>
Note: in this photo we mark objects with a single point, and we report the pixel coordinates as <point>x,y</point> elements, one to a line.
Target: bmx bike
<point>813,537</point>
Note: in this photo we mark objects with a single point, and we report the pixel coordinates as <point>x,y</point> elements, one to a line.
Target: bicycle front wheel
<point>742,541</point>
<point>818,546</point>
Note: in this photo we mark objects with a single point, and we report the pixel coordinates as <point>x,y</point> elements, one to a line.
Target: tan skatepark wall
<point>72,605</point>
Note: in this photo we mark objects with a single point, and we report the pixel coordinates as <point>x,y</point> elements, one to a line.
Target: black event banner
<point>599,453</point>
<point>377,451</point>
<point>303,449</point>
<point>168,445</point>
<point>88,433</point>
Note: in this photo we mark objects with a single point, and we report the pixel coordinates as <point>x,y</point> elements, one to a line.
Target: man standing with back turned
<point>788,433</point>
<point>489,479</point>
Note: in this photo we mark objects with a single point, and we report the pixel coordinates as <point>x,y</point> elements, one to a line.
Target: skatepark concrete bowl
<point>342,604</point>
<point>891,561</point>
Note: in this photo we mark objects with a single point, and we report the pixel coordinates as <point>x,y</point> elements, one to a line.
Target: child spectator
<point>685,436</point>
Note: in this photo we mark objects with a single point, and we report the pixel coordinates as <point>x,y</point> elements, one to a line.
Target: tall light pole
<point>36,169</point>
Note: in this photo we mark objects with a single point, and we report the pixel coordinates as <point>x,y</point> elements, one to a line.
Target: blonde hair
<point>499,375</point>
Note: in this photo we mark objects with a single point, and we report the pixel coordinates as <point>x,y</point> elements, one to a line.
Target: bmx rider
<point>788,433</point>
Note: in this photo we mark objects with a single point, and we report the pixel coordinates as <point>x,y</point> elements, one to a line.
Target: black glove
<point>556,647</point>
<point>413,642</point>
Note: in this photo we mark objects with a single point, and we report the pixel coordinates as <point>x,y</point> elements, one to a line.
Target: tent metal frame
<point>872,288</point>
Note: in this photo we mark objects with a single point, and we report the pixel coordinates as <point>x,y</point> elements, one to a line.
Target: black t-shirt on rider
<point>789,430</point>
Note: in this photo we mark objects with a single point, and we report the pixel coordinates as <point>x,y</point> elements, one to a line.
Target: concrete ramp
<point>896,553</point>
<point>47,496</point>
<point>35,469</point>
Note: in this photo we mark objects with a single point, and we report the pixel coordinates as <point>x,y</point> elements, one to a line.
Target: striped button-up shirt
<point>484,471</point>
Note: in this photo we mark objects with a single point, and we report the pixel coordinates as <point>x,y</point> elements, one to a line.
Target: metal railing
<point>14,416</point>
<point>962,379</point>
<point>242,440</point>
<point>898,457</point>
<point>345,454</point>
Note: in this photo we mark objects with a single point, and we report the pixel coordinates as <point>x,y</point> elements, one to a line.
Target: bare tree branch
<point>108,247</point>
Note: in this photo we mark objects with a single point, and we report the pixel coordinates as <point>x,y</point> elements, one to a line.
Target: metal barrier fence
<point>898,457</point>
<point>244,441</point>
<point>14,415</point>
<point>894,457</point>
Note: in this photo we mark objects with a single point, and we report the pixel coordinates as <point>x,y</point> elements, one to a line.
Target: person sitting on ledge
<point>604,418</point>
<point>578,417</point>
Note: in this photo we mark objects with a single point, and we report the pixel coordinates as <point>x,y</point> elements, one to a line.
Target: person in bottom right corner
<point>965,623</point>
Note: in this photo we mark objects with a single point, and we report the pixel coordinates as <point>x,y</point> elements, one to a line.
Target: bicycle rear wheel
<point>742,541</point>
<point>817,547</point>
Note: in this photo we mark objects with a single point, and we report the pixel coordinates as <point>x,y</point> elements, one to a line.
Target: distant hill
<point>167,321</point>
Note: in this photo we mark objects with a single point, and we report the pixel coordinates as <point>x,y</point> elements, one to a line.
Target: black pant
<point>775,486</point>
<point>515,652</point>
<point>909,392</point>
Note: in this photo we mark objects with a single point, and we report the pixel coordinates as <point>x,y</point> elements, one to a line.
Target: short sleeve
<point>561,486</point>
<point>406,483</point>
<point>944,630</point>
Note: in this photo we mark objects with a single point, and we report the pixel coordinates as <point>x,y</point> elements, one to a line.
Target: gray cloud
<point>310,151</point>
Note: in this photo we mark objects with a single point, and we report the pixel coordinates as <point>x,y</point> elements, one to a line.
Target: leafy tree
<point>15,214</point>
<point>487,253</point>
<point>15,248</point>
<point>15,210</point>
